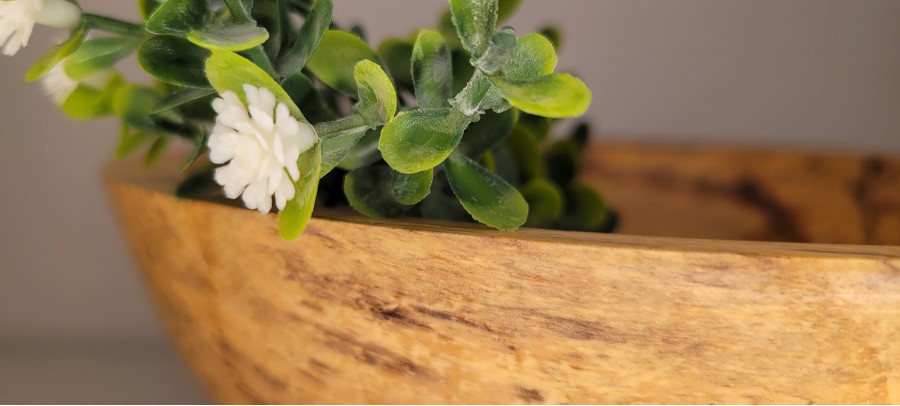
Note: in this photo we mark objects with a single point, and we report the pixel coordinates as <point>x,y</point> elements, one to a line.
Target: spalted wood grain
<point>371,311</point>
<point>750,194</point>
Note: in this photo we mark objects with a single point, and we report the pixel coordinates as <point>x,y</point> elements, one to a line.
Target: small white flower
<point>58,84</point>
<point>17,19</point>
<point>261,144</point>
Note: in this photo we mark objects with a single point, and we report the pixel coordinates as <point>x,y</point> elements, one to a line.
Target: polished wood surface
<point>372,311</point>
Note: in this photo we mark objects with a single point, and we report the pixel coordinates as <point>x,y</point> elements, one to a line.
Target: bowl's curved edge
<point>372,311</point>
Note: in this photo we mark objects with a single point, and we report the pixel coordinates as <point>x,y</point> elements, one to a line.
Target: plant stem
<point>238,11</point>
<point>115,26</point>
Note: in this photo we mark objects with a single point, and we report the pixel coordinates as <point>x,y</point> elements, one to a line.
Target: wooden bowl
<point>364,310</point>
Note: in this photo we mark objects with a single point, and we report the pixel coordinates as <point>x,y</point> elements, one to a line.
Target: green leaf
<point>432,70</point>
<point>234,37</point>
<point>441,204</point>
<point>410,189</point>
<point>581,135</point>
<point>396,55</point>
<point>562,161</point>
<point>526,151</point>
<point>335,58</point>
<point>369,192</point>
<point>304,93</point>
<point>533,57</point>
<point>585,208</point>
<point>475,21</point>
<point>420,140</point>
<point>338,138</point>
<point>199,145</point>
<point>58,53</point>
<point>363,153</point>
<point>486,196</point>
<point>133,104</point>
<point>292,221</point>
<point>308,38</point>
<point>545,202</point>
<point>228,71</point>
<point>554,35</point>
<point>488,132</point>
<point>556,96</point>
<point>87,102</point>
<point>156,150</point>
<point>180,98</point>
<point>505,164</point>
<point>506,9</point>
<point>130,139</point>
<point>97,55</point>
<point>178,17</point>
<point>377,97</point>
<point>147,7</point>
<point>498,52</point>
<point>174,60</point>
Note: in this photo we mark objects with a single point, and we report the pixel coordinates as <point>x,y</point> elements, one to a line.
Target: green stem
<point>239,11</point>
<point>115,26</point>
<point>344,126</point>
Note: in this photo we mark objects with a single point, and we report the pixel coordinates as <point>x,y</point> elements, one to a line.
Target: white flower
<point>17,19</point>
<point>58,84</point>
<point>261,144</point>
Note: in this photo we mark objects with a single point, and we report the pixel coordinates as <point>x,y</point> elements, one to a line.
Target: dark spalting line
<point>310,376</point>
<point>745,190</point>
<point>401,317</point>
<point>582,329</point>
<point>230,355</point>
<point>329,241</point>
<point>872,168</point>
<point>254,398</point>
<point>319,364</point>
<point>452,318</point>
<point>892,267</point>
<point>530,395</point>
<point>373,354</point>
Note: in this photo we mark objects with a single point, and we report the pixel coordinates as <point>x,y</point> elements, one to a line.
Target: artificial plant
<point>448,124</point>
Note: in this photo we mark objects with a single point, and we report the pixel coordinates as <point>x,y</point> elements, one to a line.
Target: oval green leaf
<point>532,58</point>
<point>421,139</point>
<point>369,192</point>
<point>174,60</point>
<point>556,96</point>
<point>410,189</point>
<point>432,70</point>
<point>396,55</point>
<point>228,71</point>
<point>180,98</point>
<point>377,96</point>
<point>178,17</point>
<point>585,208</point>
<point>236,37</point>
<point>97,55</point>
<point>545,202</point>
<point>335,58</point>
<point>475,21</point>
<point>486,196</point>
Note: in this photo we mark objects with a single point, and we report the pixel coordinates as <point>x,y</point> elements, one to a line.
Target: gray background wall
<point>822,74</point>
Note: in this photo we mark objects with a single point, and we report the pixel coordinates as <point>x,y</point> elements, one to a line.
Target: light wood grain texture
<point>372,311</point>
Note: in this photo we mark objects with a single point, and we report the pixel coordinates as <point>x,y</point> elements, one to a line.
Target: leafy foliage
<point>450,124</point>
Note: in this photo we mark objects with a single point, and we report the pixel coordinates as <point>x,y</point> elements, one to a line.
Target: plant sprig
<point>448,124</point>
